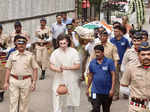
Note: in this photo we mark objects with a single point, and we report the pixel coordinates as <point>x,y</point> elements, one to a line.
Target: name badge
<point>122,43</point>
<point>94,95</point>
<point>105,68</point>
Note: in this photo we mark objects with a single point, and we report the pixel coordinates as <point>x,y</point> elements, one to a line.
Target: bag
<point>62,89</point>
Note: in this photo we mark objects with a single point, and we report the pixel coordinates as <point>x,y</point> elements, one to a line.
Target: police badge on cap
<point>21,39</point>
<point>144,47</point>
<point>17,23</point>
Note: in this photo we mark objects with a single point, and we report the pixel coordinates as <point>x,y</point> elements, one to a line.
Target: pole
<point>86,11</point>
<point>78,8</point>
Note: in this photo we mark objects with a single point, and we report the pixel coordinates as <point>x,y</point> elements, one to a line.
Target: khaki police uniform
<point>42,54</point>
<point>4,43</point>
<point>13,34</point>
<point>21,66</point>
<point>110,52</point>
<point>130,56</point>
<point>138,78</point>
<point>74,37</point>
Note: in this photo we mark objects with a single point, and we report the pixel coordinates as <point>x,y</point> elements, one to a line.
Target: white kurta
<point>69,77</point>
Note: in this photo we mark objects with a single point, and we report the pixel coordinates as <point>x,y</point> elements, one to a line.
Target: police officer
<point>131,55</point>
<point>3,45</point>
<point>21,76</point>
<point>136,76</point>
<point>42,34</point>
<point>145,35</point>
<point>74,37</point>
<point>18,31</point>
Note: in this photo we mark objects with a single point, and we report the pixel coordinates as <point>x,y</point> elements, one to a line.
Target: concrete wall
<point>30,12</point>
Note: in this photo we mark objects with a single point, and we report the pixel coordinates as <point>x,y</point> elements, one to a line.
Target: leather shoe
<point>1,96</point>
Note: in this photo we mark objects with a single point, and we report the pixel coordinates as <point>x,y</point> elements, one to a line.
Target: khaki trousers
<point>2,78</point>
<point>42,56</point>
<point>19,92</point>
<point>117,81</point>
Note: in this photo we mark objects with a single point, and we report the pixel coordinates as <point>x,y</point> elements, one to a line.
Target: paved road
<point>41,100</point>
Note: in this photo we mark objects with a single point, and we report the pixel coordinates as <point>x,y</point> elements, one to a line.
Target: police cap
<point>104,32</point>
<point>42,19</point>
<point>144,47</point>
<point>20,39</point>
<point>137,35</point>
<point>69,26</point>
<point>144,32</point>
<point>17,23</point>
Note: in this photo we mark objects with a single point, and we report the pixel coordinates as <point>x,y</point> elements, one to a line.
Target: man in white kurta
<point>69,77</point>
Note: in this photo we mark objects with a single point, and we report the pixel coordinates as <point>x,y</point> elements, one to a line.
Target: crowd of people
<point>105,61</point>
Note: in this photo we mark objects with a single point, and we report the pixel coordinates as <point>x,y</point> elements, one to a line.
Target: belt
<point>21,77</point>
<point>41,44</point>
<point>139,102</point>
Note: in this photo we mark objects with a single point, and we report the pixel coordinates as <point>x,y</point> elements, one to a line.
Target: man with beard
<point>136,76</point>
<point>18,31</point>
<point>20,77</point>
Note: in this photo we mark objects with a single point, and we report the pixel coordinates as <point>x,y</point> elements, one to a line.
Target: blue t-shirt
<point>10,51</point>
<point>102,79</point>
<point>121,45</point>
<point>68,21</point>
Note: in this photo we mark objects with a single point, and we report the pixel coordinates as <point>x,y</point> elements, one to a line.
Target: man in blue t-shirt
<point>122,45</point>
<point>66,20</point>
<point>102,77</point>
<point>120,42</point>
